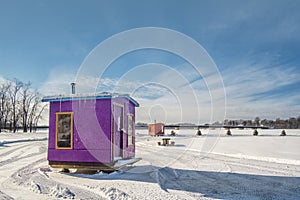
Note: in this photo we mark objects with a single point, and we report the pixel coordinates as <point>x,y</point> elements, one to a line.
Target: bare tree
<point>7,114</point>
<point>4,88</point>
<point>39,115</point>
<point>13,95</point>
<point>27,98</point>
<point>35,112</point>
<point>32,114</point>
<point>19,106</point>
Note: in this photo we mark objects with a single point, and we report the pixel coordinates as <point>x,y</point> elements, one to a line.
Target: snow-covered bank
<point>211,166</point>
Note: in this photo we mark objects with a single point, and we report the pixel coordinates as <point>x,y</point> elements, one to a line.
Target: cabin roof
<point>74,97</point>
<point>154,124</point>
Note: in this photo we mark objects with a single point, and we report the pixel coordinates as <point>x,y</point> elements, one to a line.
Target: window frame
<point>57,130</point>
<point>130,135</point>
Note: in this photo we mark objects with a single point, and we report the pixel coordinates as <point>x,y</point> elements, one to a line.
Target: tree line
<point>20,106</point>
<point>291,123</point>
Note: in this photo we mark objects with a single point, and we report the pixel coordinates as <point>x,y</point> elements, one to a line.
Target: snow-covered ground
<point>211,166</point>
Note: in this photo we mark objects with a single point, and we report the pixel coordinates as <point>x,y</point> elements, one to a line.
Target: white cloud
<point>249,92</point>
<point>60,79</point>
<point>2,80</point>
<point>179,100</point>
<point>182,95</point>
<point>60,84</point>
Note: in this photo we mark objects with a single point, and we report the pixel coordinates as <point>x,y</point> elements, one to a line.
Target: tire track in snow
<point>17,162</point>
<point>13,159</point>
<point>105,193</point>
<point>263,166</point>
<point>22,140</point>
<point>32,179</point>
<point>4,196</point>
<point>37,180</point>
<point>14,149</point>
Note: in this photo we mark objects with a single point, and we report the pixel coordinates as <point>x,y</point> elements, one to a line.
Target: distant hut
<point>255,132</point>
<point>90,131</point>
<point>156,129</point>
<point>283,133</point>
<point>228,132</point>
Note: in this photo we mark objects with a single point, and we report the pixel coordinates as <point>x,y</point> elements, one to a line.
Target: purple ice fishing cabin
<point>91,131</point>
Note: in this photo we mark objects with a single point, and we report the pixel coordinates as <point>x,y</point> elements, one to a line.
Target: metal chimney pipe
<point>73,88</point>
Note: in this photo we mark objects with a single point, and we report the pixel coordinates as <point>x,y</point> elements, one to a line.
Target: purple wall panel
<point>78,155</point>
<point>52,127</point>
<point>92,123</point>
<point>91,130</point>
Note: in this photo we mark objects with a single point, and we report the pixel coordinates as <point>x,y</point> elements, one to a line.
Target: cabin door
<point>118,128</point>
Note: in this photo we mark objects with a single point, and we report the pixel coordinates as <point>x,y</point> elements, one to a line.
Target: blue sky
<point>254,44</point>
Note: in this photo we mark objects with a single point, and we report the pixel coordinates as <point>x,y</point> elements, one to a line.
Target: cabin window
<point>64,130</point>
<point>130,132</point>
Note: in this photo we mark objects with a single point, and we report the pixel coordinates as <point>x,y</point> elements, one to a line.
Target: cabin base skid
<point>94,165</point>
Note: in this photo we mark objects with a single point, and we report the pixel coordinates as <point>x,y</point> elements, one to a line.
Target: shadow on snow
<point>221,185</point>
